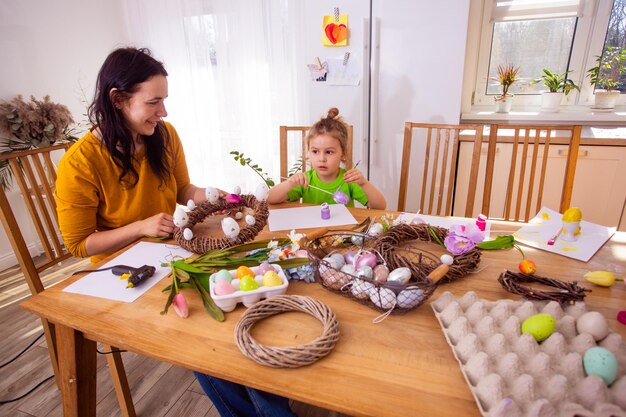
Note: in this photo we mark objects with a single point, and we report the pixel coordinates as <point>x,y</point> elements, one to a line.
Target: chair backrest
<point>441,142</point>
<point>537,160</point>
<point>286,137</point>
<point>35,174</point>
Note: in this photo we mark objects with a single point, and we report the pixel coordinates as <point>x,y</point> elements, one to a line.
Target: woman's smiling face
<point>145,108</point>
<point>325,154</point>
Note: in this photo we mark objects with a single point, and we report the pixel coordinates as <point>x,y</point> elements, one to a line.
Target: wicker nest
<point>563,292</point>
<point>202,244</point>
<point>288,356</point>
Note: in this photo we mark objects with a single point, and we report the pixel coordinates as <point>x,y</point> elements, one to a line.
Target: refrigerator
<point>410,57</point>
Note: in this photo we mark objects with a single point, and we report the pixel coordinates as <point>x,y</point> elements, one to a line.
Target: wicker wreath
<point>202,244</point>
<point>565,292</point>
<point>288,356</point>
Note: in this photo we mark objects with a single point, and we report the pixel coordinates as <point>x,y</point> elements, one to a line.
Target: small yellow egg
<point>244,271</point>
<point>572,214</point>
<point>271,279</point>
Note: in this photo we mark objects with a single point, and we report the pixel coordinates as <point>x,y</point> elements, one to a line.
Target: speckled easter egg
<point>250,220</point>
<point>223,275</point>
<point>271,279</point>
<point>230,227</point>
<point>601,362</point>
<point>211,194</point>
<point>261,192</point>
<point>223,288</point>
<point>540,326</point>
<point>248,283</point>
<point>187,234</point>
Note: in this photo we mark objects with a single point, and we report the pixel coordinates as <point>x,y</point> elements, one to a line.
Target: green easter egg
<point>271,279</point>
<point>223,275</point>
<point>540,326</point>
<point>248,283</point>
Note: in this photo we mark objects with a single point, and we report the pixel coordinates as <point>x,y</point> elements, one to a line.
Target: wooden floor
<point>158,389</point>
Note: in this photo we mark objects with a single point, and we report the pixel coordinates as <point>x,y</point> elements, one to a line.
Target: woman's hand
<point>354,175</point>
<point>159,225</point>
<point>299,179</point>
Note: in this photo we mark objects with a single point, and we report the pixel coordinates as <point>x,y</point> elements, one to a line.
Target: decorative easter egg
<point>332,262</point>
<point>339,258</point>
<point>361,289</point>
<point>238,215</point>
<point>180,217</point>
<point>261,192</point>
<point>235,283</point>
<point>600,362</point>
<point>540,326</point>
<point>365,271</point>
<point>349,257</point>
<point>264,267</point>
<point>366,258</point>
<point>401,275</point>
<point>340,197</point>
<point>271,279</point>
<point>410,297</point>
<point>357,240</point>
<point>446,259</point>
<point>248,283</point>
<point>237,190</point>
<point>187,234</point>
<point>259,280</point>
<point>349,269</point>
<point>383,298</point>
<point>381,273</point>
<point>211,194</point>
<point>250,220</point>
<point>191,204</point>
<point>593,323</point>
<point>230,227</point>
<point>375,229</point>
<point>572,214</point>
<point>223,288</point>
<point>222,275</point>
<point>233,199</point>
<point>244,271</point>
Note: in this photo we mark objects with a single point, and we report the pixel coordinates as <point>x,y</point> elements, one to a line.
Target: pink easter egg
<point>302,254</point>
<point>368,259</point>
<point>223,288</point>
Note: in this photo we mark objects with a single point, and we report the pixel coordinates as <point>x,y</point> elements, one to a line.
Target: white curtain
<point>232,79</point>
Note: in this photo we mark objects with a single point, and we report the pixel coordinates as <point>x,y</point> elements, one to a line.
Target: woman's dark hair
<point>124,69</point>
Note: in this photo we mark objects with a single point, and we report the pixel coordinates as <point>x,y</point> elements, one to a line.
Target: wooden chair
<point>440,160</point>
<point>285,137</point>
<point>35,174</point>
<point>529,171</point>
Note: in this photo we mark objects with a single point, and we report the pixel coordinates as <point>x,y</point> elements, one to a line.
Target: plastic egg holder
<point>228,302</point>
<point>201,244</point>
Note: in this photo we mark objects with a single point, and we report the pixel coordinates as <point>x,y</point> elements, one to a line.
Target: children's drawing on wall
<point>344,71</point>
<point>319,70</point>
<point>335,29</point>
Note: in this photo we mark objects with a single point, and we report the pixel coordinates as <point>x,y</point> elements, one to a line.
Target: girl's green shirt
<point>312,196</point>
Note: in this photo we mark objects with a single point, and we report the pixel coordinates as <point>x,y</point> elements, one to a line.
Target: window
<point>560,35</point>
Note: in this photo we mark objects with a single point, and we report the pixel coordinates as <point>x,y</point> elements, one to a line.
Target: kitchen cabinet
<point>598,191</point>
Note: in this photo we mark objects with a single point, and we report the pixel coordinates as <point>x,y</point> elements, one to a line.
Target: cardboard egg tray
<point>511,374</point>
<point>228,302</point>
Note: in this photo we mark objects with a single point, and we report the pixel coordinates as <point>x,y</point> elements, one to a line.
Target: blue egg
<point>601,362</point>
<point>223,275</point>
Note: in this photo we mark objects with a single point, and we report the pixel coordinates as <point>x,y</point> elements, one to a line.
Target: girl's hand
<point>299,179</point>
<point>354,175</point>
<point>159,225</point>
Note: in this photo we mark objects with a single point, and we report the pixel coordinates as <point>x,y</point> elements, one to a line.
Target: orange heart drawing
<point>336,33</point>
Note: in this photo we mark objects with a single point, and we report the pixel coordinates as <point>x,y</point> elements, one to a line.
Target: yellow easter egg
<point>271,279</point>
<point>244,271</point>
<point>572,214</point>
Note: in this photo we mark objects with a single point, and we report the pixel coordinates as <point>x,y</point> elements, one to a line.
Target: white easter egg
<point>593,323</point>
<point>375,229</point>
<point>446,259</point>
<point>191,204</point>
<point>383,298</point>
<point>230,227</point>
<point>401,275</point>
<point>349,269</point>
<point>187,234</point>
<point>238,215</point>
<point>339,258</point>
<point>261,192</point>
<point>410,297</point>
<point>237,190</point>
<point>250,220</point>
<point>212,195</point>
<point>180,217</point>
<point>361,289</point>
<point>332,262</point>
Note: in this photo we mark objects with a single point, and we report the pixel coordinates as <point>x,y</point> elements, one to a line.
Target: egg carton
<point>228,302</point>
<point>511,374</point>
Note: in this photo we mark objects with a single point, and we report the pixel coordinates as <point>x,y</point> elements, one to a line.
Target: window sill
<point>567,115</point>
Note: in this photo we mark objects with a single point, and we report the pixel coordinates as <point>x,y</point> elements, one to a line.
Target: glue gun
<point>137,275</point>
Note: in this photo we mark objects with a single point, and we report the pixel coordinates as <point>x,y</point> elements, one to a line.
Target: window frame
<point>588,42</point>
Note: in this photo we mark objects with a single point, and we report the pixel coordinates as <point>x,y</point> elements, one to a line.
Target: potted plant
<point>507,76</point>
<point>605,76</point>
<point>558,86</point>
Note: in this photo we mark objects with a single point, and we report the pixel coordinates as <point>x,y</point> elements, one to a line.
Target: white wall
<point>54,48</point>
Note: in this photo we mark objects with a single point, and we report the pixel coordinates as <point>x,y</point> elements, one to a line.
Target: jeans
<point>235,400</point>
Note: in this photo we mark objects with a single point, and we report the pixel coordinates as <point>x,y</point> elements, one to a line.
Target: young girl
<point>327,142</point>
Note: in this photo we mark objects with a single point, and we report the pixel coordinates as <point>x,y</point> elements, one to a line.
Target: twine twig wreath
<point>288,356</point>
<point>202,244</point>
<point>402,235</point>
<point>566,292</point>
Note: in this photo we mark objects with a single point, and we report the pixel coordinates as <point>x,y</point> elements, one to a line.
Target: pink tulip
<point>180,305</point>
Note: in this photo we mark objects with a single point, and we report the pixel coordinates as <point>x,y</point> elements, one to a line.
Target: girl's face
<point>145,108</point>
<point>325,154</point>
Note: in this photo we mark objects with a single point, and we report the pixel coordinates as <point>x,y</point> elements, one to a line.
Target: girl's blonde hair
<point>332,125</point>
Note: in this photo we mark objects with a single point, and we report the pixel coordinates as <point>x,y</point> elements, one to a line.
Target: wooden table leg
<point>77,370</point>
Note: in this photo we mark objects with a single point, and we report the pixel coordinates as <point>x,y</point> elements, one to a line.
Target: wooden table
<point>399,367</point>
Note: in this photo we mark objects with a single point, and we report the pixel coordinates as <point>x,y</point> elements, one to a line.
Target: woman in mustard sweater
<point>122,181</point>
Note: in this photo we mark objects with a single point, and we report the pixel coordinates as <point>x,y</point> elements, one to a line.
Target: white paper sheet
<point>308,217</point>
<point>105,284</point>
<point>547,223</point>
